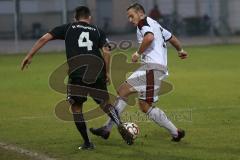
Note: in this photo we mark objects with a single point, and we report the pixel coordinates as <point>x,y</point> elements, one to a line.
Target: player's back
<point>85,39</point>
<point>82,38</point>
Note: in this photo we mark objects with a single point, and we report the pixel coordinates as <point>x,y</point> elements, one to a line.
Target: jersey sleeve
<point>59,32</point>
<point>144,27</point>
<point>166,34</point>
<point>103,40</point>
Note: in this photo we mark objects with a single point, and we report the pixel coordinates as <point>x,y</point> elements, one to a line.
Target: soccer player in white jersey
<point>147,79</point>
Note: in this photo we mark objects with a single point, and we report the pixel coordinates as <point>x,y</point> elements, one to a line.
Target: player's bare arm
<point>176,43</point>
<point>38,45</point>
<point>147,40</point>
<point>106,56</point>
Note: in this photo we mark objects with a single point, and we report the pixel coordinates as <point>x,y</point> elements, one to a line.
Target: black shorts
<point>78,91</point>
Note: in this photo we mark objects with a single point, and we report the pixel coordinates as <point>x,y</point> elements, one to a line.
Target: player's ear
<point>90,18</point>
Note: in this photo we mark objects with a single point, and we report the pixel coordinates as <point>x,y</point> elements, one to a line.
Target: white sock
<point>120,105</point>
<point>159,117</point>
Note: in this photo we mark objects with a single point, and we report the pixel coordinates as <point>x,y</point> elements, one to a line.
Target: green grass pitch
<point>207,85</point>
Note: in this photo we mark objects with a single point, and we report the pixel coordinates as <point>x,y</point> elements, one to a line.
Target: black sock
<point>81,126</point>
<point>112,113</point>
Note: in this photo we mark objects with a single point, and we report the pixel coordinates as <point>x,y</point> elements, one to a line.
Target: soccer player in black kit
<point>86,40</point>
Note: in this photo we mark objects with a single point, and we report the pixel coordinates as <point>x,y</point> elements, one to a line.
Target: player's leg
<point>120,103</point>
<point>124,91</point>
<point>113,114</point>
<point>76,107</point>
<point>160,118</point>
<point>76,102</point>
<point>153,82</point>
<point>111,111</point>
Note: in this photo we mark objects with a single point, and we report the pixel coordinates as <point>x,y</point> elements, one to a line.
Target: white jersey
<point>156,53</point>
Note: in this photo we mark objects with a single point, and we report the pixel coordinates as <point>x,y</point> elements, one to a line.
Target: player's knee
<point>123,90</point>
<point>143,109</point>
<point>143,106</point>
<point>76,109</point>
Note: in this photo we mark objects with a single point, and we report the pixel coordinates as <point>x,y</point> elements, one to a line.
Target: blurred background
<point>194,21</point>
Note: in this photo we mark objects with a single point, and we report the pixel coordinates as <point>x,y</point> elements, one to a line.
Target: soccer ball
<point>132,128</point>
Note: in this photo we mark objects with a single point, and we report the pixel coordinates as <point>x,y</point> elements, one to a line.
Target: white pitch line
<point>25,152</point>
<point>26,118</point>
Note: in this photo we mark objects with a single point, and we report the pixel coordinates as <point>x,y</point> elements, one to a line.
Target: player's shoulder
<point>143,22</point>
<point>148,22</point>
<point>100,31</point>
<point>63,26</point>
<point>153,23</point>
<point>93,26</point>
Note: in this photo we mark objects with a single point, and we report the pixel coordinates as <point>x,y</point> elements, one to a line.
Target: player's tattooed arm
<point>38,45</point>
<point>176,43</point>
<point>106,57</point>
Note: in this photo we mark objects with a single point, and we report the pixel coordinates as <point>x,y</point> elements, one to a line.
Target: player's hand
<point>182,54</point>
<point>108,79</point>
<point>26,62</point>
<point>135,57</point>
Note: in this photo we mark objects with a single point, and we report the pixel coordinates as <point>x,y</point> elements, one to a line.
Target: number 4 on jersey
<point>87,43</point>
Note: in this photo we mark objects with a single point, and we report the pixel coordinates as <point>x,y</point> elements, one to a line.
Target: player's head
<point>82,13</point>
<point>135,13</point>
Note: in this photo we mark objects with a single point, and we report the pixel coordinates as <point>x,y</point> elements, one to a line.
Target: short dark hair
<point>82,12</point>
<point>137,7</point>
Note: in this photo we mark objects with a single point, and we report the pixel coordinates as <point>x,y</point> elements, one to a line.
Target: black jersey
<point>81,39</point>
